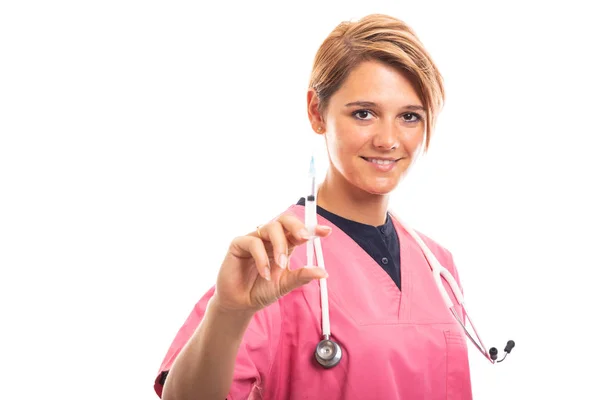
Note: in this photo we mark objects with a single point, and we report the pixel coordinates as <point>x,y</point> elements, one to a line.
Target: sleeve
<point>255,355</point>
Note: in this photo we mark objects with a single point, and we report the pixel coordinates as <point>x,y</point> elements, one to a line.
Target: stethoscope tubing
<point>438,272</point>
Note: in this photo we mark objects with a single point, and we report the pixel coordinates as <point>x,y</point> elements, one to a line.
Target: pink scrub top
<point>396,344</point>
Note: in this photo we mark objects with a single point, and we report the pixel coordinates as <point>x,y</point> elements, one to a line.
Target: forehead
<point>380,83</point>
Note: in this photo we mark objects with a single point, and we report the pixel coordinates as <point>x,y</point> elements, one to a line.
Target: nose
<point>387,137</point>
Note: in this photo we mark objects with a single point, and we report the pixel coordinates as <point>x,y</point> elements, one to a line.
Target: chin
<point>380,188</point>
<point>379,192</point>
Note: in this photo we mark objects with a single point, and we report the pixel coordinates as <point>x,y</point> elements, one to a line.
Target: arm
<point>225,346</point>
<point>204,368</point>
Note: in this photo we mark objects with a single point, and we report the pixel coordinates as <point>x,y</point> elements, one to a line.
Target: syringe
<point>310,214</point>
<point>314,243</point>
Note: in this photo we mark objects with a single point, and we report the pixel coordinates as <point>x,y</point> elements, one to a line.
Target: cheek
<point>349,137</point>
<point>344,141</point>
<point>413,141</point>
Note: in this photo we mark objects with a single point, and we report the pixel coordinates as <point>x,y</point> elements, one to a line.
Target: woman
<point>374,95</point>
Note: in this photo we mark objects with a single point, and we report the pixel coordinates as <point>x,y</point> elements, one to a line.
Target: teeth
<point>381,162</point>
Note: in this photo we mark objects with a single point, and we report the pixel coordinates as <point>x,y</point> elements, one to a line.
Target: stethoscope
<point>328,352</point>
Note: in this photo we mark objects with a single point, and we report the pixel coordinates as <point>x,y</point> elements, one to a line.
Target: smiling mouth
<point>380,161</point>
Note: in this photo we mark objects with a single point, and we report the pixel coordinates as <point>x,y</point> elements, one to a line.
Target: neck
<point>338,196</point>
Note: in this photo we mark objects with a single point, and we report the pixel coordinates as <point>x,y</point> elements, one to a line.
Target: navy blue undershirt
<point>380,242</point>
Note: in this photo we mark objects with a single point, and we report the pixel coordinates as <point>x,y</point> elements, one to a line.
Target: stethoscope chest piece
<point>328,353</point>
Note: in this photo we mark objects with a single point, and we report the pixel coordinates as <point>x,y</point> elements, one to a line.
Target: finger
<point>322,230</point>
<point>274,233</point>
<point>251,246</point>
<point>301,276</point>
<point>296,229</point>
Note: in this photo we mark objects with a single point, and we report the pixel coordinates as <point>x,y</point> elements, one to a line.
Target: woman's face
<point>374,126</point>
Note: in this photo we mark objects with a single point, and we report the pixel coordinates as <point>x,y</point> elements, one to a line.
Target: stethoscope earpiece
<point>328,353</point>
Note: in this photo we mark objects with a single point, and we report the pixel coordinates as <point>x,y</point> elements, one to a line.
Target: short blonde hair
<point>385,39</point>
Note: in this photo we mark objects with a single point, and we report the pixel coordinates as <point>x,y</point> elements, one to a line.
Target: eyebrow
<point>413,107</point>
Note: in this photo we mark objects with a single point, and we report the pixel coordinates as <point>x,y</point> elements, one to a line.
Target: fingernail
<point>304,234</point>
<point>268,273</point>
<point>325,228</point>
<point>282,261</point>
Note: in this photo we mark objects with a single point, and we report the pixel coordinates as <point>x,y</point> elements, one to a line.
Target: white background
<point>139,137</point>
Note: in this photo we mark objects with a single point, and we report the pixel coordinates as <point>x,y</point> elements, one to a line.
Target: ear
<point>314,116</point>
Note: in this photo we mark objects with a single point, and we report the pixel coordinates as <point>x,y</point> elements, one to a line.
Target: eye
<point>362,114</point>
<point>412,117</point>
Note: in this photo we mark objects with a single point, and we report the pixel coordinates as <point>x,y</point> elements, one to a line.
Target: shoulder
<point>443,255</point>
<point>440,251</point>
<point>436,248</point>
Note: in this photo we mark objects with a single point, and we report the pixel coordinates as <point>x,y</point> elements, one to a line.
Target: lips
<point>380,161</point>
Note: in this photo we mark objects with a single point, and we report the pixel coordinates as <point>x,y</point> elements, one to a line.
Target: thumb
<point>301,276</point>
